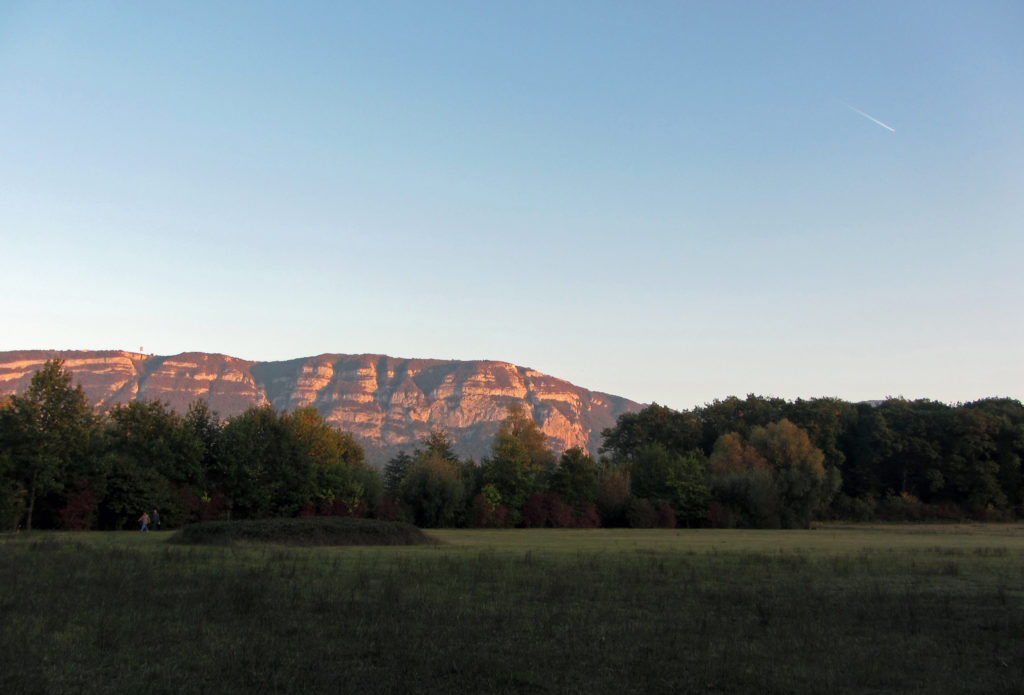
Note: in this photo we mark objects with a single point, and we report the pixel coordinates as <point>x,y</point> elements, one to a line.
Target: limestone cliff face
<point>386,402</point>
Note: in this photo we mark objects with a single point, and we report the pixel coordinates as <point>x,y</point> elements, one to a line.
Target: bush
<point>666,515</point>
<point>720,516</point>
<point>613,497</point>
<point>433,490</point>
<point>195,507</point>
<point>547,509</point>
<point>79,512</point>
<point>642,514</point>
<point>392,510</point>
<point>331,530</point>
<point>854,508</point>
<point>745,499</point>
<point>486,514</point>
<point>587,516</point>
<point>994,515</point>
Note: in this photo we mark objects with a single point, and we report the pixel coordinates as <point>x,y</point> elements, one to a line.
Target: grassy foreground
<point>859,609</point>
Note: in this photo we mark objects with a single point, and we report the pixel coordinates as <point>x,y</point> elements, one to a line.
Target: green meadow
<point>838,609</point>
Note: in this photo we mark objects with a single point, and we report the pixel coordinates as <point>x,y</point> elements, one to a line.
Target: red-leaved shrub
<point>484,514</point>
<point>666,515</point>
<point>79,510</point>
<point>587,517</point>
<point>547,509</point>
<point>391,510</point>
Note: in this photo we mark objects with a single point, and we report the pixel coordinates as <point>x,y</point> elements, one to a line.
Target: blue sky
<point>669,201</point>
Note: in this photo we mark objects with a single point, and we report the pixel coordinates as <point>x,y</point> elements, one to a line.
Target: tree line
<point>755,462</point>
<point>64,466</point>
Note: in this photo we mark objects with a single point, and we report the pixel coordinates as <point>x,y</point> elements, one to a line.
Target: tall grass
<point>839,610</point>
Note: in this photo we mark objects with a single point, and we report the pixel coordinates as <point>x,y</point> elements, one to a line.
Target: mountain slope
<point>386,402</point>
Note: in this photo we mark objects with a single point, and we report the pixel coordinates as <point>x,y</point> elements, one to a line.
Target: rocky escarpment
<point>386,402</point>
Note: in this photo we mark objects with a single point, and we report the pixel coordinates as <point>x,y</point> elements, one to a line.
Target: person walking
<point>144,522</point>
<point>155,520</point>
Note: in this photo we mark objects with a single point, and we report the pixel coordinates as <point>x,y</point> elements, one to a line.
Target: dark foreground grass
<point>659,612</point>
<point>314,530</point>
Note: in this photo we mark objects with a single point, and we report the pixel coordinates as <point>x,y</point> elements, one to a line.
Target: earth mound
<point>323,530</point>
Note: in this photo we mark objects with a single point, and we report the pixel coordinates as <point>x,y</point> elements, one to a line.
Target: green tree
<point>395,470</point>
<point>575,479</point>
<point>661,448</point>
<point>328,467</point>
<point>1006,432</point>
<point>154,435</point>
<point>520,426</point>
<point>148,453</point>
<point>432,484</point>
<point>49,434</point>
<point>746,498</point>
<point>868,445</point>
<point>204,426</point>
<point>675,478</point>
<point>433,489</point>
<point>437,443</point>
<point>656,424</point>
<point>971,467</point>
<point>519,459</point>
<point>12,502</point>
<point>920,431</point>
<point>129,488</point>
<point>256,458</point>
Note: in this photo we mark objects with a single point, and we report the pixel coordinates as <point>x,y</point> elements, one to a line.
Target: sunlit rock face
<point>386,402</point>
<point>111,377</point>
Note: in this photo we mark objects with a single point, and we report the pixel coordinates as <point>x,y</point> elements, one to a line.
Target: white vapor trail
<point>869,117</point>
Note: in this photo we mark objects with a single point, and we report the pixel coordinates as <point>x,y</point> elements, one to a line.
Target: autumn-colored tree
<point>798,471</point>
<point>731,455</point>
<point>737,415</point>
<point>776,478</point>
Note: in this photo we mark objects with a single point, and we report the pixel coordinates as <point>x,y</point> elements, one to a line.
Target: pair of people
<point>145,520</point>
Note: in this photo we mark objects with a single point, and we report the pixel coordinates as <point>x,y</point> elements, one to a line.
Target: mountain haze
<point>388,403</point>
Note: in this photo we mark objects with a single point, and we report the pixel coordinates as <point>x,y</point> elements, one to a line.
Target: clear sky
<point>668,201</point>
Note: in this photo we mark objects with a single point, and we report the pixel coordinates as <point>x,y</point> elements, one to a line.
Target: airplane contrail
<point>869,117</point>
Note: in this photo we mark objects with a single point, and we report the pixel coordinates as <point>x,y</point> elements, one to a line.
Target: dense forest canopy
<point>753,462</point>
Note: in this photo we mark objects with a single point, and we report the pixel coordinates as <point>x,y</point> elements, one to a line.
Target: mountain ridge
<point>388,403</point>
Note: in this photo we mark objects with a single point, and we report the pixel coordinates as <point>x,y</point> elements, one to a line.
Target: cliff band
<point>386,402</point>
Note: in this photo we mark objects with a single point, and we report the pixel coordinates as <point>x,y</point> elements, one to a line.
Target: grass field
<point>840,609</point>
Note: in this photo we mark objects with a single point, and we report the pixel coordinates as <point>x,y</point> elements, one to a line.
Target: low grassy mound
<point>317,530</point>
